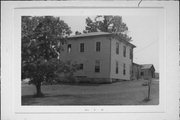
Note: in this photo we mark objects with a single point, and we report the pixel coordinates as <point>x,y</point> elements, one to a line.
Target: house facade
<point>102,56</point>
<point>136,72</point>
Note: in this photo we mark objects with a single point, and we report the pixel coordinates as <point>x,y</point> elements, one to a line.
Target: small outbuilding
<point>156,75</point>
<point>147,71</point>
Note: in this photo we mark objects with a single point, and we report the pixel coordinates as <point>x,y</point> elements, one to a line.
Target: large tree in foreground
<point>41,47</point>
<point>112,24</point>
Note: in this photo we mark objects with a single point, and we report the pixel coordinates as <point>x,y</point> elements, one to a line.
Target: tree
<point>112,24</point>
<point>41,47</point>
<point>91,25</point>
<point>77,33</point>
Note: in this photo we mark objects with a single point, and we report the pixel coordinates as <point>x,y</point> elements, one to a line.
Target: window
<point>131,54</point>
<point>98,46</point>
<point>130,69</point>
<point>124,69</point>
<point>117,69</point>
<point>69,48</point>
<point>81,47</point>
<point>81,66</point>
<point>117,48</point>
<point>97,66</point>
<point>124,51</point>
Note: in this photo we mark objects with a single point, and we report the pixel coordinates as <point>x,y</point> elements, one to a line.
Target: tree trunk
<point>38,89</point>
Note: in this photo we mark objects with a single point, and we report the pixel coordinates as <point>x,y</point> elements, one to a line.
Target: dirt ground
<point>118,93</point>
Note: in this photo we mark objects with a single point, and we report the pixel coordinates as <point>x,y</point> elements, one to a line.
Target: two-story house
<point>103,57</point>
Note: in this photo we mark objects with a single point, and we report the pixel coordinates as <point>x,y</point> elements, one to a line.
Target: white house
<point>102,56</point>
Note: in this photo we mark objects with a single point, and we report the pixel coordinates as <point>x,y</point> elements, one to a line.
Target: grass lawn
<point>118,93</point>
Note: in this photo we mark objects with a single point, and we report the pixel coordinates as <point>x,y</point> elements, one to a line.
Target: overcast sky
<point>142,29</point>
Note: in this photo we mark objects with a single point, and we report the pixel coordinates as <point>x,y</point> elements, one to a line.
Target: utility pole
<point>149,89</point>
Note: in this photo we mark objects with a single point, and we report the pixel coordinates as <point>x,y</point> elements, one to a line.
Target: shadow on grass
<point>33,100</point>
<point>30,99</point>
<point>89,83</point>
<point>66,99</point>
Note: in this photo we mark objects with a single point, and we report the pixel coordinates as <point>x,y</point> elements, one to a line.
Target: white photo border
<point>85,8</point>
<point>156,12</point>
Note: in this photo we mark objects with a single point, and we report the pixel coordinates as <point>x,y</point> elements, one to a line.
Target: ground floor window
<point>124,69</point>
<point>97,66</point>
<point>81,66</point>
<point>117,69</point>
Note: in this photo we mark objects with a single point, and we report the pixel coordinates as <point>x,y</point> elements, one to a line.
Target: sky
<point>142,29</point>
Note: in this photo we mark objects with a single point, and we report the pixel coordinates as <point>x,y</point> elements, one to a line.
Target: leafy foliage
<point>112,24</point>
<point>41,47</point>
<point>77,33</point>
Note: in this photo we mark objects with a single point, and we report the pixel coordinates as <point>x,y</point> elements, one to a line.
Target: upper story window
<point>124,51</point>
<point>124,69</point>
<point>69,48</point>
<point>117,48</point>
<point>97,66</point>
<point>131,53</point>
<point>81,47</point>
<point>98,46</point>
<point>117,67</point>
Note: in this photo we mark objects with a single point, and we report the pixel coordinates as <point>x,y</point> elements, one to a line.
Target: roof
<point>97,34</point>
<point>146,66</point>
<point>136,64</point>
<point>90,34</point>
